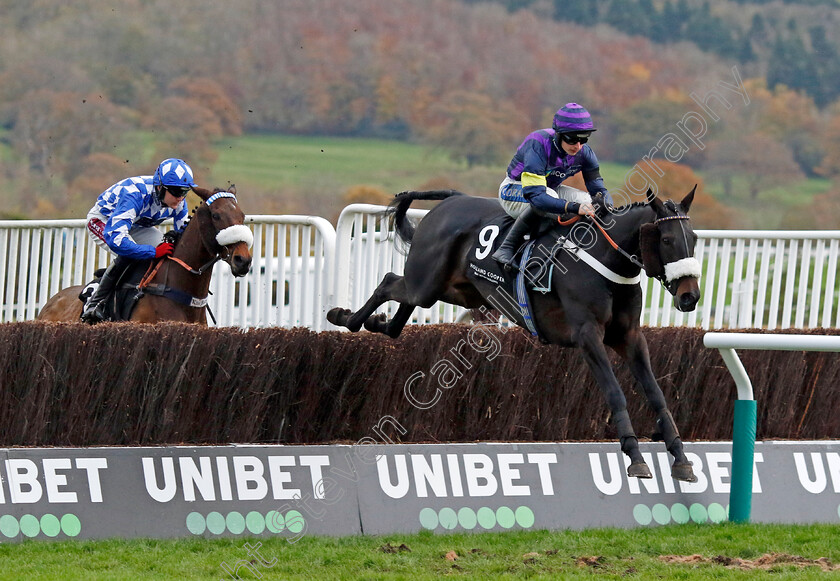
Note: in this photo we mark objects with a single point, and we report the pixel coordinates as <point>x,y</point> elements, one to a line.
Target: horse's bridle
<point>224,238</point>
<point>679,269</point>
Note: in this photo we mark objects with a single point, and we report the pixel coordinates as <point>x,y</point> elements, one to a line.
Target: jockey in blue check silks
<point>533,186</point>
<point>123,221</point>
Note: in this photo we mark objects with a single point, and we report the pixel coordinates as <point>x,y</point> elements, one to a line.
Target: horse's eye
<point>215,216</point>
<point>667,241</point>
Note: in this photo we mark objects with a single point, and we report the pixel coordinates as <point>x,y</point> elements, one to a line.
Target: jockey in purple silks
<point>532,188</point>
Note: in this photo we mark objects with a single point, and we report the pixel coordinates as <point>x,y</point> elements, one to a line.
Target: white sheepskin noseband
<point>231,234</point>
<point>234,234</point>
<point>682,268</point>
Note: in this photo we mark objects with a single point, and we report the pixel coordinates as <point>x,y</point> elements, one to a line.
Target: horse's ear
<point>232,189</point>
<point>656,203</point>
<point>202,193</point>
<point>686,201</point>
<point>649,244</point>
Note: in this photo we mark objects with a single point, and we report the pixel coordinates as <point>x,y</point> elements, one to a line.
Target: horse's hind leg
<point>392,288</point>
<point>590,339</point>
<point>635,350</point>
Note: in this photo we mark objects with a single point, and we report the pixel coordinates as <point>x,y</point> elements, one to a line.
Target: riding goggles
<point>178,191</point>
<point>572,138</point>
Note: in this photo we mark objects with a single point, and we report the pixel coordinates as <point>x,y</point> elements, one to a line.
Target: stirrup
<point>94,315</point>
<point>508,262</point>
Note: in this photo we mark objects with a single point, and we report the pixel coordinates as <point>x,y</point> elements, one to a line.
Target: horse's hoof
<point>338,316</point>
<point>639,470</point>
<point>683,471</point>
<point>376,323</point>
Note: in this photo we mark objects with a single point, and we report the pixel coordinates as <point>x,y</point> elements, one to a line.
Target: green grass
<point>273,160</point>
<point>600,553</point>
<point>325,167</point>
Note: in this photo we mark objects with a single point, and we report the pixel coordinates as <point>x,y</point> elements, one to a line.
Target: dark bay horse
<point>585,308</point>
<point>178,288</point>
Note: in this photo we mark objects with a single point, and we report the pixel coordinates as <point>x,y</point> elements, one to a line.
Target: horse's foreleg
<point>380,323</point>
<point>590,341</point>
<point>635,350</point>
<point>391,288</point>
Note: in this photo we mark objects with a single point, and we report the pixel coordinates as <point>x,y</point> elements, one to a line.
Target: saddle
<point>534,272</point>
<point>121,303</point>
<point>482,267</point>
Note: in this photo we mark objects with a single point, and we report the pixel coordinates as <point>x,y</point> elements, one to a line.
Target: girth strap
<point>175,295</point>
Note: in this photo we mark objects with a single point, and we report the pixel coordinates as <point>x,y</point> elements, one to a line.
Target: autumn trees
<point>87,90</point>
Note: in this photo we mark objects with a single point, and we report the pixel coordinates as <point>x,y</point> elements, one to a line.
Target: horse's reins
<point>662,278</point>
<point>631,257</point>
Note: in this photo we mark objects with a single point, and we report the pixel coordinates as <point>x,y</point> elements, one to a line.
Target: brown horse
<point>178,288</point>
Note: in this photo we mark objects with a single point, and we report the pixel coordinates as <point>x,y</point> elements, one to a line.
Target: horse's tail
<point>399,208</point>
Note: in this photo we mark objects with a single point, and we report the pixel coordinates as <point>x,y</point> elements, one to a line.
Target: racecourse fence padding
<point>129,384</point>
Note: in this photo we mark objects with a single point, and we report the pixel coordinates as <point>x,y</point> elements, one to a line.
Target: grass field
<point>725,551</point>
<point>303,174</point>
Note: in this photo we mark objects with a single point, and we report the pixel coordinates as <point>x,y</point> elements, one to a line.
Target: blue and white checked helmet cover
<point>174,172</point>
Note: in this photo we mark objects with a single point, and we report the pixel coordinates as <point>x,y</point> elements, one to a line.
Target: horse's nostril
<point>688,301</point>
<point>241,263</point>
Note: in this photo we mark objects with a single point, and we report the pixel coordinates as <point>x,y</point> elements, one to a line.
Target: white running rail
<point>751,279</point>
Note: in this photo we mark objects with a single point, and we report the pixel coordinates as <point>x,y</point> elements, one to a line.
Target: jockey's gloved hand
<point>164,249</point>
<point>601,200</point>
<point>586,210</point>
<point>172,236</point>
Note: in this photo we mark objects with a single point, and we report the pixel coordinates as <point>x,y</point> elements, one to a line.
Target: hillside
<point>795,43</point>
<point>88,96</point>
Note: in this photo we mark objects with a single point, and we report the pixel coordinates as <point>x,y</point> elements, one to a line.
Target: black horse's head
<point>668,250</point>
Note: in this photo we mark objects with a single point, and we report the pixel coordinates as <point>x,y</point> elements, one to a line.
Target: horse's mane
<point>630,206</point>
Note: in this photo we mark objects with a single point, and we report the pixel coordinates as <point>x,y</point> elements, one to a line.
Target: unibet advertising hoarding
<point>293,491</point>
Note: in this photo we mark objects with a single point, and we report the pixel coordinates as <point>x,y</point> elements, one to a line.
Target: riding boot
<point>506,253</point>
<point>96,307</point>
